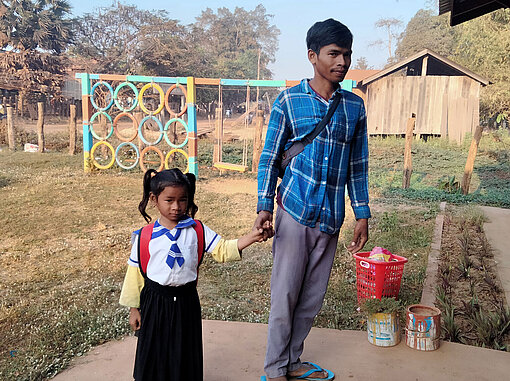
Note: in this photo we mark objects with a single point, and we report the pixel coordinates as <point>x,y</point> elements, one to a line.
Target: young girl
<point>161,279</point>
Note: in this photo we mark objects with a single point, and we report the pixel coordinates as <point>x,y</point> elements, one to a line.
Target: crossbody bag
<point>297,147</point>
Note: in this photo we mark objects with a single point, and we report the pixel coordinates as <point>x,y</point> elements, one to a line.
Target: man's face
<point>331,63</point>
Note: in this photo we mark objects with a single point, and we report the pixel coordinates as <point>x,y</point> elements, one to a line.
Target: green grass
<point>436,161</point>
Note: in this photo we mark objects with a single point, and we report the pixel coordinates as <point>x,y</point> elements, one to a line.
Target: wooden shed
<point>443,96</point>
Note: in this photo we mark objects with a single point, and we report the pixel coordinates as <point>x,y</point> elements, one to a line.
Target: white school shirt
<point>159,248</point>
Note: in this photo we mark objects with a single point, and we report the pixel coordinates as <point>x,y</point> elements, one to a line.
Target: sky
<point>294,18</point>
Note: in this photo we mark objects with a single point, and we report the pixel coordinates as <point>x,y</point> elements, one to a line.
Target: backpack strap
<point>143,247</point>
<point>145,237</point>
<point>199,229</point>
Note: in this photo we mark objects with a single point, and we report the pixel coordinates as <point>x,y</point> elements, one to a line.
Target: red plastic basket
<point>375,279</point>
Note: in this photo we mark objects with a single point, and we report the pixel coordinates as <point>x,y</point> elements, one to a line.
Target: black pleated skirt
<point>170,337</point>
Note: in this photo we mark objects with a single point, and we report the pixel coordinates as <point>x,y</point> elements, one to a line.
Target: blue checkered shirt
<point>313,187</point>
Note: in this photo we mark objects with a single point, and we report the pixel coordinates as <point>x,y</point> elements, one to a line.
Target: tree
<point>427,31</point>
<point>391,26</point>
<point>362,64</point>
<point>30,25</point>
<point>111,36</point>
<point>234,39</point>
<point>483,45</point>
<point>32,36</point>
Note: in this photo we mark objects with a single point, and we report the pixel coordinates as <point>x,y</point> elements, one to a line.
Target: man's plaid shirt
<point>313,187</point>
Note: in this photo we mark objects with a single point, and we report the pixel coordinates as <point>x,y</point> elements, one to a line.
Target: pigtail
<point>192,207</point>
<point>146,194</point>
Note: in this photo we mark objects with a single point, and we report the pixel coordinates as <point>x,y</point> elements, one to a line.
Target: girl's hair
<point>167,178</point>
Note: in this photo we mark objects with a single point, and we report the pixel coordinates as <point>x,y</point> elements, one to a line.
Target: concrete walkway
<point>497,231</point>
<point>235,351</point>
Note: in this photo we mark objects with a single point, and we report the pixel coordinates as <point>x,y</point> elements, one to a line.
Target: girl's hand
<point>135,319</point>
<point>257,234</point>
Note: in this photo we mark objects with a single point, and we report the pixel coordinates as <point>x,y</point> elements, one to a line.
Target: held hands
<point>360,236</point>
<point>135,319</point>
<point>264,224</point>
<point>261,234</point>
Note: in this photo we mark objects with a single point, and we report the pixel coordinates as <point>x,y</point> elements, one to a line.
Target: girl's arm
<point>255,235</point>
<point>133,284</point>
<point>231,250</point>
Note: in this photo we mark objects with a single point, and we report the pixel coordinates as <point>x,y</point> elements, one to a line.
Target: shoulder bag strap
<point>317,130</point>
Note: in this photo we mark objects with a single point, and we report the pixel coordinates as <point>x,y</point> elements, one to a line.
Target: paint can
<point>383,329</point>
<point>423,327</point>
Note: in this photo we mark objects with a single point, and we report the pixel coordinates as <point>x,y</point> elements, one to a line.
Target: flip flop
<point>316,368</point>
<point>263,378</point>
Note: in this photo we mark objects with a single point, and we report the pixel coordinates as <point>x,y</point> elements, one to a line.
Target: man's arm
<point>276,138</point>
<point>357,183</point>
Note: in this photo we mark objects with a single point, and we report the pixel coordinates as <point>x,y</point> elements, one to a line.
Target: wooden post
<point>40,126</point>
<point>257,140</point>
<point>72,129</point>
<point>21,101</point>
<point>408,163</point>
<point>10,129</point>
<point>218,147</point>
<point>470,162</point>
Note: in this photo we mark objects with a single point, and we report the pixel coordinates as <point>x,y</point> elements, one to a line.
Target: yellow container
<point>383,329</point>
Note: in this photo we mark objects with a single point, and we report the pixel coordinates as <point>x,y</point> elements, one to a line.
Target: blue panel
<point>266,83</point>
<point>87,138</point>
<point>234,82</point>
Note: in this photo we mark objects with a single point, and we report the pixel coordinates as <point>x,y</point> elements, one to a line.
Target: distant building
<point>443,95</point>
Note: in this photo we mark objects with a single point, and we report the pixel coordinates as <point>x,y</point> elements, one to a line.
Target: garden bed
<point>469,292</point>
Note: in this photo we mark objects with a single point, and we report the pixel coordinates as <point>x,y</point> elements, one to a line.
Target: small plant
<point>383,305</point>
<point>464,266</point>
<point>491,327</point>
<point>465,241</point>
<point>449,185</point>
<point>452,330</point>
<point>485,250</point>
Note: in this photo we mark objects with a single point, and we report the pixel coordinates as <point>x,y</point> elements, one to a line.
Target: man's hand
<point>360,236</point>
<point>265,221</point>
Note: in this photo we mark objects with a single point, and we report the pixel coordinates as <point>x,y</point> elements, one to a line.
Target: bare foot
<point>305,368</point>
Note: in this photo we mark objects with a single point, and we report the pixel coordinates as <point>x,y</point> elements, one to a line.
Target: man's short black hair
<point>328,32</point>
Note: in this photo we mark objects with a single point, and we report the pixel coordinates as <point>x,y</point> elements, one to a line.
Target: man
<point>311,195</point>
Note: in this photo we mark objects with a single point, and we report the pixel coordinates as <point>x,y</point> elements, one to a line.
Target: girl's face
<point>172,203</point>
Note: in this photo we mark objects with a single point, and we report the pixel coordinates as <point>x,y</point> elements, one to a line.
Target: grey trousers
<point>302,261</point>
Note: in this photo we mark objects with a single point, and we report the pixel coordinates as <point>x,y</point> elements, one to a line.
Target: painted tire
<point>116,95</point>
<point>135,125</point>
<point>96,164</point>
<point>110,132</point>
<point>161,98</point>
<point>182,152</point>
<point>167,126</point>
<point>92,100</point>
<point>158,151</point>
<point>117,155</point>
<point>140,130</point>
<point>167,95</point>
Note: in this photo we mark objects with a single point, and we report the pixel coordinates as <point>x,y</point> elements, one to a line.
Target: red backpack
<point>145,237</point>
